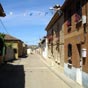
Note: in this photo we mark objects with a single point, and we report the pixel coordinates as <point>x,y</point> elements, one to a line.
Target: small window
<point>69,53</point>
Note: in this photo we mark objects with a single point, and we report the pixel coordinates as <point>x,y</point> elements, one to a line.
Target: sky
<point>27,19</point>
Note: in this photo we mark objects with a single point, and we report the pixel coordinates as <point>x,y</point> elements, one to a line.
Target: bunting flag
<point>52,12</point>
<point>30,14</point>
<point>46,13</point>
<point>39,13</point>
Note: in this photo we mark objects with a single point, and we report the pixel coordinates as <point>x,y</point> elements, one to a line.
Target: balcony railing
<point>68,23</point>
<point>78,18</point>
<point>50,37</point>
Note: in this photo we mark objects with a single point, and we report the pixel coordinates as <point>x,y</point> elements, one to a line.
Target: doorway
<point>79,54</point>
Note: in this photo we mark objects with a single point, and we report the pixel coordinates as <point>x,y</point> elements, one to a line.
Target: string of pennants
<point>38,13</point>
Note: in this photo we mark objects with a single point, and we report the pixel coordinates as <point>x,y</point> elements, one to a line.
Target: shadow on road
<point>12,76</point>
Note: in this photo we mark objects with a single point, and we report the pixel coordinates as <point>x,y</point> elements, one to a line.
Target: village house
<point>16,44</point>
<point>67,39</point>
<point>76,40</point>
<point>43,47</point>
<point>2,14</point>
<point>55,36</point>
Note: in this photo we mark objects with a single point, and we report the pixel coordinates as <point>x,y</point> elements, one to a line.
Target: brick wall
<point>76,36</point>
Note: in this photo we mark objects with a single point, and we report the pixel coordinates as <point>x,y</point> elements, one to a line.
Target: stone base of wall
<point>85,79</point>
<point>70,72</point>
<point>77,75</point>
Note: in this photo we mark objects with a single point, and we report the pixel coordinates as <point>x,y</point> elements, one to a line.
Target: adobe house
<point>76,40</point>
<point>16,44</point>
<point>55,36</point>
<point>2,14</point>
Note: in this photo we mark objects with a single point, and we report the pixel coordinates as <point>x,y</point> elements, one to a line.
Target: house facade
<point>43,47</point>
<point>55,36</point>
<point>16,44</point>
<point>76,40</point>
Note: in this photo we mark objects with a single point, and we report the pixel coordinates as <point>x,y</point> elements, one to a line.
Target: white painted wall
<point>79,76</point>
<point>45,52</point>
<point>29,51</point>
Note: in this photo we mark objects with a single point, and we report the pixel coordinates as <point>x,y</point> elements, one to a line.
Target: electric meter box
<point>84,52</point>
<point>83,19</point>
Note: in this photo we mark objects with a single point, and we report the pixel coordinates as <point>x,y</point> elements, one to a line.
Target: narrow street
<point>30,72</point>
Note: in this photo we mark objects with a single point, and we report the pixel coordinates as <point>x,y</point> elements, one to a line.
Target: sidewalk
<point>59,71</point>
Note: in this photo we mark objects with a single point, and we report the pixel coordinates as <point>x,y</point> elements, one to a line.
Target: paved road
<point>30,72</point>
<point>38,75</point>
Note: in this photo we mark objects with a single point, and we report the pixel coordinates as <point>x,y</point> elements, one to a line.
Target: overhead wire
<point>4,27</point>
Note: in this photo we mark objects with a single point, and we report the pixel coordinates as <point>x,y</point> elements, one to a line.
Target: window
<point>69,53</point>
<point>52,32</point>
<point>52,48</point>
<point>57,47</point>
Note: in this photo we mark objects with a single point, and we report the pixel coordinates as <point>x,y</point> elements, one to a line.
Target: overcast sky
<point>27,19</point>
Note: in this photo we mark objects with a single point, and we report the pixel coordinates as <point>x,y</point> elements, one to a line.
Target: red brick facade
<point>76,32</point>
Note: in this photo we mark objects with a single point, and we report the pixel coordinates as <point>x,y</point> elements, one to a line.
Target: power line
<point>4,26</point>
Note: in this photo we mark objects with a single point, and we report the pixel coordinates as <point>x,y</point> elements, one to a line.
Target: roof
<point>52,21</point>
<point>66,4</point>
<point>11,38</point>
<point>2,13</point>
<point>56,15</point>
